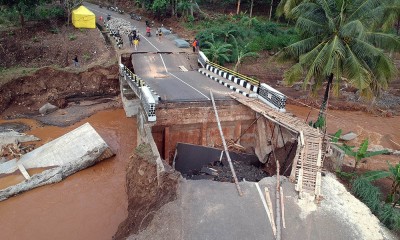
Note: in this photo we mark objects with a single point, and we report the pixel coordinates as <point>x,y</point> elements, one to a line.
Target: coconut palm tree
<point>217,51</point>
<point>337,44</point>
<point>391,15</point>
<point>286,6</point>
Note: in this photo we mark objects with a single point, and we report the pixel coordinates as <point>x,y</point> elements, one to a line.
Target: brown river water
<point>89,204</point>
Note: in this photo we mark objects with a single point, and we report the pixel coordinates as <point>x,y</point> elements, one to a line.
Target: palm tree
<point>391,15</point>
<point>286,6</point>
<point>338,45</point>
<point>217,51</point>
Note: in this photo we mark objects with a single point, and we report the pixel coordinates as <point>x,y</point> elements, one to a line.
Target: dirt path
<point>87,205</point>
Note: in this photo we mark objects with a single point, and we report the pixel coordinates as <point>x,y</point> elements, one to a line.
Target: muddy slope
<point>29,93</point>
<point>145,196</point>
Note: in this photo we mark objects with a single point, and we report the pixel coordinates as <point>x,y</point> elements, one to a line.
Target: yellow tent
<point>83,18</point>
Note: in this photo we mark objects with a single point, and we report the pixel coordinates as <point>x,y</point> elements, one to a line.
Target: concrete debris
<point>47,108</point>
<point>72,152</point>
<point>165,31</point>
<point>11,137</point>
<point>209,171</point>
<point>348,136</point>
<point>377,148</point>
<point>180,43</point>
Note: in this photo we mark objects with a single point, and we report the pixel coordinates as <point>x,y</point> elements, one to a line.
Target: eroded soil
<point>146,192</point>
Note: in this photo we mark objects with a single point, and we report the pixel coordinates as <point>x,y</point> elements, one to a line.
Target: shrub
<point>390,216</point>
<point>35,39</point>
<point>71,37</point>
<point>48,11</point>
<point>55,30</point>
<point>86,57</point>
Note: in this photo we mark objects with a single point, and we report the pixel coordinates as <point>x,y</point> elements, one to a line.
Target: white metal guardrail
<point>142,91</point>
<point>266,93</point>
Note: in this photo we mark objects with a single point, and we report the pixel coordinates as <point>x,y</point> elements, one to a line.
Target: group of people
<point>134,39</point>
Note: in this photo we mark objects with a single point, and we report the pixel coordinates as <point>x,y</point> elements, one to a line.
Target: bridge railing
<point>236,74</point>
<point>142,91</point>
<point>266,93</point>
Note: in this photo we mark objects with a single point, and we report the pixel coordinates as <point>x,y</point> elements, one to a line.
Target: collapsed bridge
<point>175,106</point>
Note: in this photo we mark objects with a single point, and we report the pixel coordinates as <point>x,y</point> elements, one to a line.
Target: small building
<point>83,18</point>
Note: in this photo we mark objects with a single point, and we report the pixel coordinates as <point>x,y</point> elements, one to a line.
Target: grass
<point>7,74</point>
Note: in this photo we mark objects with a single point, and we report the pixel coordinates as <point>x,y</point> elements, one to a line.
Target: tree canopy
<point>339,44</point>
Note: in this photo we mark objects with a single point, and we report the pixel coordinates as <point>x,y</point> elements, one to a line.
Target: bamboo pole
<point>283,209</point>
<point>271,213</point>
<point>278,203</point>
<point>225,147</point>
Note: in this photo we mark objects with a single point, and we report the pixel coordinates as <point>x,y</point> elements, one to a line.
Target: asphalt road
<point>158,63</point>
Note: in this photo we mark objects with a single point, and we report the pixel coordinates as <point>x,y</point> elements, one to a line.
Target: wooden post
<point>225,147</point>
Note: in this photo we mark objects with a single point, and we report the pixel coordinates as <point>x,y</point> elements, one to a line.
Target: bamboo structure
<point>225,147</point>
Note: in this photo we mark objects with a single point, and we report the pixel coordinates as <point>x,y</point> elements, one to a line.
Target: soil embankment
<point>145,193</point>
<point>25,95</point>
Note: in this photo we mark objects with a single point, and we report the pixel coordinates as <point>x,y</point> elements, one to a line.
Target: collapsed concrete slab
<point>11,136</point>
<point>72,152</point>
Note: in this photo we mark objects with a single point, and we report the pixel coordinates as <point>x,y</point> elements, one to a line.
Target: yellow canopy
<point>83,18</point>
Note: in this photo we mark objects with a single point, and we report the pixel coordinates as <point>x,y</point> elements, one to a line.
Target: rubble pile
<point>14,150</point>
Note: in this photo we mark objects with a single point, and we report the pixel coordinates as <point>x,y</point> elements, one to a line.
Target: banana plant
<point>394,174</point>
<point>361,153</point>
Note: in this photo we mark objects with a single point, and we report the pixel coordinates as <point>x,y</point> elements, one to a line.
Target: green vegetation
<point>363,189</point>
<point>86,57</point>
<point>246,35</point>
<point>27,10</point>
<point>72,37</point>
<point>361,153</point>
<point>370,195</point>
<point>338,43</point>
<point>7,74</point>
<point>35,39</point>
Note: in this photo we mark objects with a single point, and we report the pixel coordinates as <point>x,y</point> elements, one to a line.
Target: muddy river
<point>89,204</point>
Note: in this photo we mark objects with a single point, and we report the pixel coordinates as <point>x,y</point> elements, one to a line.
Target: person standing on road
<point>194,44</point>
<point>159,34</point>
<point>136,43</point>
<point>130,37</point>
<point>76,62</point>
